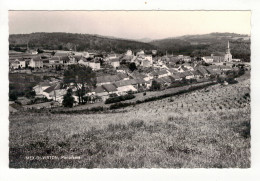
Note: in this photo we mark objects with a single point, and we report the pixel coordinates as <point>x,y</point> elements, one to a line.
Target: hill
<point>193,45</point>
<point>208,128</point>
<point>82,42</point>
<point>205,45</point>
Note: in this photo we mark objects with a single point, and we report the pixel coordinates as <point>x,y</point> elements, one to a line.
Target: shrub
<point>68,100</point>
<point>96,109</point>
<point>155,86</point>
<point>120,105</point>
<point>136,123</point>
<point>119,98</point>
<point>13,96</point>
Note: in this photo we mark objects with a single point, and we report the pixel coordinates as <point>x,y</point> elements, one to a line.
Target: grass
<point>214,139</point>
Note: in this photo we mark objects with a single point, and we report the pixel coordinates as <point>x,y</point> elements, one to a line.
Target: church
<point>225,57</point>
<point>228,56</point>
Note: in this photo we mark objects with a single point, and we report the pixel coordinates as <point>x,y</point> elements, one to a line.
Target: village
<point>116,74</point>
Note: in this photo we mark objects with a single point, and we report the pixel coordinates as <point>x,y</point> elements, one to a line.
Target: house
<point>146,63</point>
<point>178,68</point>
<point>176,77</point>
<point>12,110</point>
<point>83,61</point>
<point>110,88</point>
<point>115,62</point>
<point>196,74</point>
<point>122,70</point>
<point>55,60</point>
<point>186,58</point>
<point>165,81</point>
<point>72,61</point>
<point>236,60</point>
<point>141,52</point>
<point>187,67</point>
<point>36,62</point>
<point>172,71</point>
<point>203,71</point>
<point>224,68</point>
<point>18,63</point>
<point>55,92</point>
<point>148,57</point>
<point>211,71</point>
<point>154,52</point>
<point>95,65</point>
<point>33,52</point>
<point>129,53</point>
<point>64,60</point>
<point>101,92</point>
<point>124,86</point>
<point>102,80</point>
<point>188,75</point>
<point>85,54</point>
<point>112,56</point>
<point>141,83</point>
<point>41,87</point>
<point>163,73</point>
<point>62,53</point>
<point>46,62</point>
<point>207,59</point>
<point>122,76</point>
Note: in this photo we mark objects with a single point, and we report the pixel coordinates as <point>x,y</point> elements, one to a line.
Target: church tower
<point>228,56</point>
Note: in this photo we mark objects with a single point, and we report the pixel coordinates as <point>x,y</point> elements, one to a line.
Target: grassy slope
<point>207,129</point>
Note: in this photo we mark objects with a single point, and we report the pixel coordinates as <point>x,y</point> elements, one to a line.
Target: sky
<point>131,24</point>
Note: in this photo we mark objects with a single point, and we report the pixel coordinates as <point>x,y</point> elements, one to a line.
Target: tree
<point>30,94</point>
<point>132,66</point>
<point>68,99</point>
<point>40,51</point>
<point>155,85</point>
<point>13,96</point>
<point>82,78</point>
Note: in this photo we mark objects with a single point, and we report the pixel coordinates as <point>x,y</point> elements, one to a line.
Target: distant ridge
<point>80,42</point>
<point>192,45</point>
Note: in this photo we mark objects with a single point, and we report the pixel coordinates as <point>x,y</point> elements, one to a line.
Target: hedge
<point>119,98</point>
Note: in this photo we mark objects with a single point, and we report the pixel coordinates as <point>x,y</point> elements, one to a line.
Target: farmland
<point>206,128</point>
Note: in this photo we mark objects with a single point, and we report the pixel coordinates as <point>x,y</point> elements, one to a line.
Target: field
<point>207,128</point>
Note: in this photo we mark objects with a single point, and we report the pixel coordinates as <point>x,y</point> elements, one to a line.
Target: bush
<point>68,100</point>
<point>119,98</point>
<point>13,96</point>
<point>155,86</point>
<point>120,105</point>
<point>96,109</point>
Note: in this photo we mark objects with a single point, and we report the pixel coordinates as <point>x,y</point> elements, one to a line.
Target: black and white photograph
<point>129,89</point>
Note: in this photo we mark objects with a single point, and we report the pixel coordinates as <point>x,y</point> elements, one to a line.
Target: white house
<point>94,65</point>
<point>18,63</point>
<point>41,87</point>
<point>83,61</point>
<point>55,92</point>
<point>36,62</point>
<point>207,59</point>
<point>140,53</point>
<point>129,53</point>
<point>115,62</point>
<point>236,60</point>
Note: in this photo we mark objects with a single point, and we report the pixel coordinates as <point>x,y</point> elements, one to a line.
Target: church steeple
<point>228,49</point>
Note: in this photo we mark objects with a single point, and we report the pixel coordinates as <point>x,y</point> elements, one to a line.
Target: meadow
<point>206,128</point>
